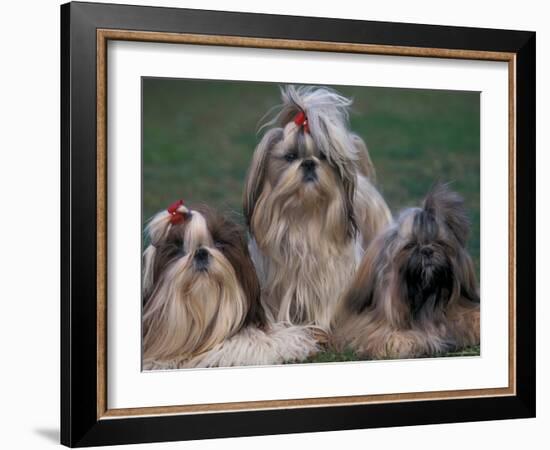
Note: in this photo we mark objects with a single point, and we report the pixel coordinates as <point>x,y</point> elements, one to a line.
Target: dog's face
<point>424,261</point>
<point>298,174</point>
<point>305,167</point>
<point>199,285</point>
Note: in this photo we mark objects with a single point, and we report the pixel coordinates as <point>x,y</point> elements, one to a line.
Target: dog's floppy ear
<point>149,255</point>
<point>251,287</point>
<point>236,251</point>
<point>362,291</point>
<point>467,278</point>
<point>364,163</point>
<point>156,230</point>
<point>256,172</point>
<point>448,206</point>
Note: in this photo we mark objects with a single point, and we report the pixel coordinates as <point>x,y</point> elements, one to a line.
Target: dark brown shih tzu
<point>202,297</point>
<point>310,205</point>
<point>415,293</point>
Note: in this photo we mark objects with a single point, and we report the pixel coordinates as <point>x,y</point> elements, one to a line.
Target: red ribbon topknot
<point>175,215</point>
<point>300,119</point>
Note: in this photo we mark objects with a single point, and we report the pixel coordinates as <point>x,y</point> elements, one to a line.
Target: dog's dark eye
<point>409,246</point>
<point>174,250</point>
<point>322,156</point>
<point>291,156</point>
<point>178,247</point>
<point>219,245</point>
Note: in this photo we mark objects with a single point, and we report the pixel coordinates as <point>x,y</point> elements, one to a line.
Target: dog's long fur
<point>202,297</point>
<point>415,293</point>
<point>252,346</point>
<point>310,205</point>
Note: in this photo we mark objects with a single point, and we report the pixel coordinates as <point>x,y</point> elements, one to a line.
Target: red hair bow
<point>300,119</point>
<point>175,215</point>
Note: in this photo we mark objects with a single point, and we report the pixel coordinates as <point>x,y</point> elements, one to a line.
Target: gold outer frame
<point>104,35</point>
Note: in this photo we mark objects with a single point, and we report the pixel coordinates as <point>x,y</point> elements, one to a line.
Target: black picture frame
<point>80,425</point>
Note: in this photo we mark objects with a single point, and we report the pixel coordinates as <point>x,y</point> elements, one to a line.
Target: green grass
<point>198,138</point>
<point>350,355</point>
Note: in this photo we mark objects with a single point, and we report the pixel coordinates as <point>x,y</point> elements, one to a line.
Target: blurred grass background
<point>199,136</point>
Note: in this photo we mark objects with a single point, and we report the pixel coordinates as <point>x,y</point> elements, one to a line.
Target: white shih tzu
<point>202,298</point>
<point>310,206</point>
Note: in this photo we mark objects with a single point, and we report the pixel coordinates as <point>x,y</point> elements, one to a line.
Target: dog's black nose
<point>427,251</point>
<point>308,165</point>
<point>201,258</point>
<point>201,254</point>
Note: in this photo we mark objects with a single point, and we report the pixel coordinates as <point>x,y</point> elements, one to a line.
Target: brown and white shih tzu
<point>202,297</point>
<point>310,205</point>
<point>415,293</point>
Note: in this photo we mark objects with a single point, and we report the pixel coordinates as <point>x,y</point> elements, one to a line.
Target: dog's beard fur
<point>192,311</point>
<point>304,197</point>
<point>415,292</point>
<point>309,255</point>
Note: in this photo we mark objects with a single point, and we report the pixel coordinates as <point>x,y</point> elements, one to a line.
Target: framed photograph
<point>276,224</point>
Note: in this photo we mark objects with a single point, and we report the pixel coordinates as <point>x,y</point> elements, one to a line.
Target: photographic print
<point>288,223</point>
<point>334,218</point>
